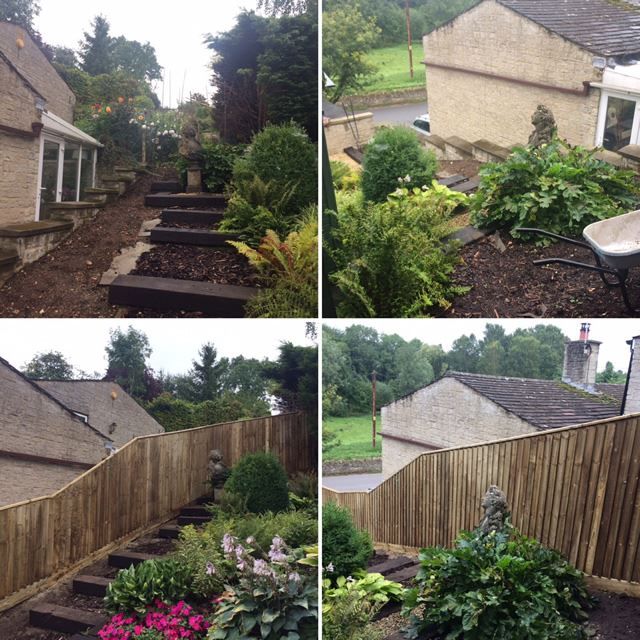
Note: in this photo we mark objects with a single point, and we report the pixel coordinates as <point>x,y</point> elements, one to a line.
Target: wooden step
<point>199,237</point>
<point>195,511</point>
<point>183,521</point>
<point>165,186</point>
<point>186,200</point>
<point>404,575</point>
<point>91,585</point>
<point>467,186</point>
<point>64,619</point>
<point>124,559</point>
<point>451,180</point>
<point>8,258</point>
<point>191,216</point>
<point>391,565</point>
<point>217,300</point>
<point>171,531</point>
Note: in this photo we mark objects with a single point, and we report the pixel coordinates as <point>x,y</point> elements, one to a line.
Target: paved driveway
<point>353,482</point>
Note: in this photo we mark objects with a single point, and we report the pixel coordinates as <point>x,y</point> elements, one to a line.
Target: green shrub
<point>390,257</point>
<point>345,549</point>
<point>272,183</point>
<point>395,154</point>
<point>137,587</point>
<point>554,187</point>
<point>344,177</point>
<point>500,585</point>
<point>262,481</point>
<point>289,270</point>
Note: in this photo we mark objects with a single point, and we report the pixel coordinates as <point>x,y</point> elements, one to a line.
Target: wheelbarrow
<point>615,245</point>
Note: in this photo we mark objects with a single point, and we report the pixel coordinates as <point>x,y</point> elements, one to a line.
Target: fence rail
<point>575,489</point>
<point>147,480</point>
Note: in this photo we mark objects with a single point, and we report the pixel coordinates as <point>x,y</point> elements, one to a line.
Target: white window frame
<point>605,94</point>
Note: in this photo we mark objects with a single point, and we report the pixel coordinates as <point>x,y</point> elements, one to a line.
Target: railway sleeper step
<point>217,300</point>
<point>170,531</point>
<point>191,216</point>
<point>195,511</point>
<point>404,575</point>
<point>166,186</point>
<point>124,559</point>
<point>392,565</point>
<point>64,619</point>
<point>91,585</point>
<point>199,237</point>
<point>195,520</point>
<point>186,200</point>
<point>389,609</point>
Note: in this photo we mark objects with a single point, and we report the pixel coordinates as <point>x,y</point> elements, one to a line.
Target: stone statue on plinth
<point>217,471</point>
<point>191,149</point>
<point>544,126</point>
<point>496,511</point>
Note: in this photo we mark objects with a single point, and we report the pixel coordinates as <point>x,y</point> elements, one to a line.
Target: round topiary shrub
<point>260,479</point>
<point>344,548</point>
<point>394,153</point>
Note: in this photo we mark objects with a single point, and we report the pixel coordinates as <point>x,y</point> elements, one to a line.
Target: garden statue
<point>217,470</point>
<point>544,126</point>
<point>191,149</point>
<point>495,508</point>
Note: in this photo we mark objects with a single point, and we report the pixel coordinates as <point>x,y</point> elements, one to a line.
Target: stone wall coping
<point>631,151</point>
<point>459,143</point>
<point>64,206</point>
<point>346,119</point>
<point>492,149</point>
<point>436,141</point>
<point>29,229</point>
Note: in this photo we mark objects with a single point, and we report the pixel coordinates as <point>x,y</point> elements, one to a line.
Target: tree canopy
<point>50,365</point>
<point>20,12</point>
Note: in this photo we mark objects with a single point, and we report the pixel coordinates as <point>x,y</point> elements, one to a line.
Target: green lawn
<point>393,68</point>
<point>354,434</point>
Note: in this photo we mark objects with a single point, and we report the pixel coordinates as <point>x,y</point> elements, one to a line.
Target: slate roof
<point>546,404</point>
<point>604,27</point>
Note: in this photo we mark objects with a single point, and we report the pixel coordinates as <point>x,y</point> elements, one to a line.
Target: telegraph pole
<point>373,407</point>
<point>410,44</point>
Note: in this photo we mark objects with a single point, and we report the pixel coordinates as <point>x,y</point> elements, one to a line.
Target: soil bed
<point>64,283</point>
<point>508,284</point>
<point>220,265</point>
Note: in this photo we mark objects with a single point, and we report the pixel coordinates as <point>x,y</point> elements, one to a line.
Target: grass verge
<point>354,436</point>
<point>392,65</point>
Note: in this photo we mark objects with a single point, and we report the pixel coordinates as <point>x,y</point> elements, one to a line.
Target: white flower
<point>407,178</point>
<point>424,187</point>
<point>329,568</point>
<point>210,569</point>
<point>400,180</point>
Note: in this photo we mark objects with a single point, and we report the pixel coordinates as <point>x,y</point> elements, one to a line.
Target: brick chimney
<point>631,402</point>
<point>581,360</point>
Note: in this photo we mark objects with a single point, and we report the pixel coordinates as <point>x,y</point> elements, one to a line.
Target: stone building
<point>43,444</point>
<point>490,67</point>
<point>106,406</point>
<point>467,408</point>
<point>44,159</point>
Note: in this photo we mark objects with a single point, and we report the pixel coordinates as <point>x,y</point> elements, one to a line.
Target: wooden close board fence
<point>575,489</point>
<point>146,481</point>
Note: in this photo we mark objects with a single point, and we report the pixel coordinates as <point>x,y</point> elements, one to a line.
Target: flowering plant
<point>161,622</point>
<point>274,598</point>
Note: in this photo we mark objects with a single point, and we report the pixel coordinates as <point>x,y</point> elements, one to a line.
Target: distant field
<point>393,68</point>
<point>354,434</point>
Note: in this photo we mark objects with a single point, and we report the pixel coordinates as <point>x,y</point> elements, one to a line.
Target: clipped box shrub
<point>261,481</point>
<point>395,153</point>
<point>344,547</point>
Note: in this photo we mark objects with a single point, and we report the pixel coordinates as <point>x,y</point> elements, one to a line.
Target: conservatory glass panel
<point>618,125</point>
<point>70,171</point>
<point>49,187</point>
<point>86,172</point>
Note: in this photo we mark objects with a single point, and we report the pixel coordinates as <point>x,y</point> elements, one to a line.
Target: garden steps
<point>183,521</point>
<point>199,237</point>
<point>191,216</point>
<point>195,511</point>
<point>218,300</point>
<point>91,585</point>
<point>392,565</point>
<point>404,575</point>
<point>170,531</point>
<point>64,619</point>
<point>124,559</point>
<point>166,186</point>
<point>186,200</point>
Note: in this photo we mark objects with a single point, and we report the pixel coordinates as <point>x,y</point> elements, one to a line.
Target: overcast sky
<point>612,333</point>
<point>175,343</point>
<point>176,31</point>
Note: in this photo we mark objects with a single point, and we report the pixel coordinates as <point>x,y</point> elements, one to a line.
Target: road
<point>353,482</point>
<point>398,114</point>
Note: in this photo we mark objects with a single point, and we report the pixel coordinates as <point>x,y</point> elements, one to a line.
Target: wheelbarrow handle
<point>556,236</point>
<point>581,265</point>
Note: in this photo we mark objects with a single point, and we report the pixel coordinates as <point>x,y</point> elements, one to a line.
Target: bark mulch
<point>64,283</point>
<point>507,285</point>
<point>220,265</point>
<point>187,225</point>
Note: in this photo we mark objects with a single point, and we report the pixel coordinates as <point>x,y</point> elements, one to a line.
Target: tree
<point>347,37</point>
<point>492,359</point>
<point>245,381</point>
<point>96,49</point>
<point>127,354</point>
<point>64,56</point>
<point>611,375</point>
<point>51,365</point>
<point>208,374</point>
<point>288,7</point>
<point>20,12</point>
<point>464,354</point>
<point>135,59</point>
<point>524,357</point>
<point>413,368</point>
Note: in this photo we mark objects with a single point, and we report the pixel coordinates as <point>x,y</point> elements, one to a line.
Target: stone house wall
<point>632,400</point>
<point>121,419</point>
<point>35,67</point>
<point>493,39</point>
<point>339,132</point>
<point>37,430</point>
<point>445,414</point>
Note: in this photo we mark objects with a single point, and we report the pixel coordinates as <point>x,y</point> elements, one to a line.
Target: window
<point>618,121</point>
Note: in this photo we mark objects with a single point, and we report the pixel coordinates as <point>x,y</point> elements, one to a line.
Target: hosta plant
<point>555,187</point>
<point>496,585</point>
<point>275,597</point>
<point>137,587</point>
<point>370,586</point>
